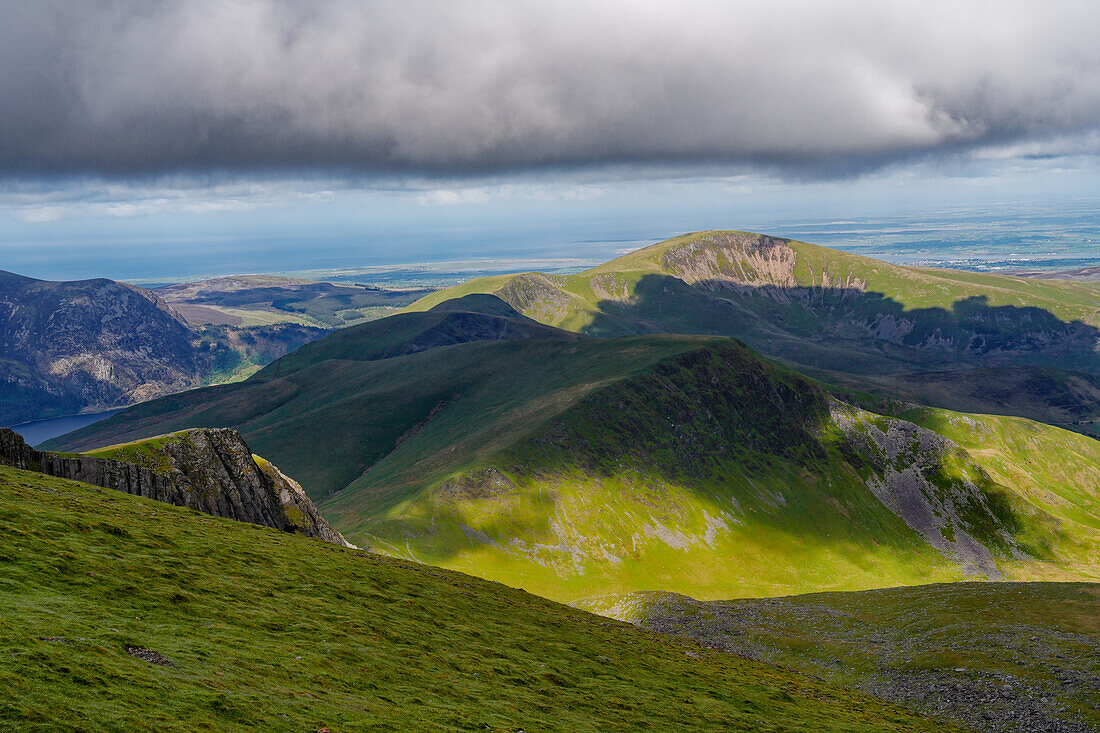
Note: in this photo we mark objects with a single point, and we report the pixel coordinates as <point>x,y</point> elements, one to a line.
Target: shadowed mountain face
<point>67,347</point>
<point>822,309</point>
<point>90,343</point>
<point>1067,399</point>
<point>462,320</point>
<point>849,329</point>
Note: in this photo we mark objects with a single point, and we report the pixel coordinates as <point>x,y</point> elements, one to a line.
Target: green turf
<point>146,453</point>
<point>265,630</point>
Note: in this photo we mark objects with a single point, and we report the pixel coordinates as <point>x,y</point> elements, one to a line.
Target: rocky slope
<point>211,471</point>
<point>88,345</point>
<point>995,657</point>
<point>69,346</point>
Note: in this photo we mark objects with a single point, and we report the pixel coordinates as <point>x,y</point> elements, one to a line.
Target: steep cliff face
<point>70,347</point>
<point>212,471</point>
<point>67,346</point>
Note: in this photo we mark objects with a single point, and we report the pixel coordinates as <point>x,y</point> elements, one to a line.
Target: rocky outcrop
<point>14,451</point>
<point>930,483</point>
<point>91,345</point>
<point>209,470</point>
<point>88,344</point>
<point>749,259</point>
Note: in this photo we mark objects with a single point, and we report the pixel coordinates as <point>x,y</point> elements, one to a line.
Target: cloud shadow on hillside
<point>852,330</point>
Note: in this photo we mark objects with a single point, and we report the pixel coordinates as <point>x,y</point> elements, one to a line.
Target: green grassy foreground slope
<point>998,656</point>
<point>122,613</point>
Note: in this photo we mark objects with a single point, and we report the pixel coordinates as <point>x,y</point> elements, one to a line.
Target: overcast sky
<point>139,107</point>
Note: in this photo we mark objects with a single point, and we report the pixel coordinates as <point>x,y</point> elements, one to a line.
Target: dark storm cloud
<point>136,87</point>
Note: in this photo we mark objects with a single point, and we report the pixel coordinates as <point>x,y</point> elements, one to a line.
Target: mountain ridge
<point>566,466</point>
<point>827,311</point>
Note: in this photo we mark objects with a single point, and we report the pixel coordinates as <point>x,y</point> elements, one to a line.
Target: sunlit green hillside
<point>685,463</point>
<point>119,613</point>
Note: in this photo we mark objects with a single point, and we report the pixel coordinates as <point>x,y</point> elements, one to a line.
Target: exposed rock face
<point>734,258</point>
<point>929,483</point>
<point>68,346</point>
<point>537,296</point>
<point>208,470</point>
<point>15,452</point>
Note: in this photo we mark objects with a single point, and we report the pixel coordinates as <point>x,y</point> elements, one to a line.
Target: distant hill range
<point>88,345</point>
<point>1081,273</point>
<point>251,300</point>
<point>963,340</point>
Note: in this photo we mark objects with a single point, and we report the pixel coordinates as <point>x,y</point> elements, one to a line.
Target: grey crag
<point>209,470</point>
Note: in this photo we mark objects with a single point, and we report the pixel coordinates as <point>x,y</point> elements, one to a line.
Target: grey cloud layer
<point>130,86</point>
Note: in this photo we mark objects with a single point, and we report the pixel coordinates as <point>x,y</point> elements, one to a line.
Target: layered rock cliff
<point>89,345</point>
<point>209,470</point>
<point>69,346</point>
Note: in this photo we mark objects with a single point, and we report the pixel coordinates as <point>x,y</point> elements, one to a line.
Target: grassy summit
<point>767,266</point>
<point>937,336</point>
<point>122,613</point>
